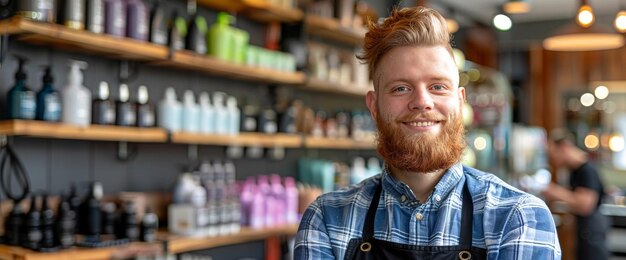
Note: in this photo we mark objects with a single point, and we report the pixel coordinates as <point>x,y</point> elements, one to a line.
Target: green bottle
<point>220,37</point>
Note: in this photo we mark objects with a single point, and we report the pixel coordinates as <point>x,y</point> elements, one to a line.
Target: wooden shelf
<point>331,87</point>
<point>62,37</point>
<point>331,29</point>
<point>258,10</point>
<point>243,139</point>
<point>34,128</point>
<point>337,143</point>
<point>118,252</point>
<point>178,245</point>
<point>210,65</point>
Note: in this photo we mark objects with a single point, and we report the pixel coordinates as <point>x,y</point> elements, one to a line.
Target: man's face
<point>417,108</point>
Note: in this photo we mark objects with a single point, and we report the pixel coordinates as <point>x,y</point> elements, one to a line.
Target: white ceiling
<point>540,10</point>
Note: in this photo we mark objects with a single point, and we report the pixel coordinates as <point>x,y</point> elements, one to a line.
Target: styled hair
<point>561,135</point>
<point>414,26</point>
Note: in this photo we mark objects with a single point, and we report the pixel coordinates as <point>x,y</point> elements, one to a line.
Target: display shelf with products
<point>337,143</point>
<point>43,129</point>
<point>259,10</point>
<point>336,88</point>
<point>331,29</point>
<point>243,139</point>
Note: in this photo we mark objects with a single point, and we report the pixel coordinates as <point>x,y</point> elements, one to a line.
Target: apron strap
<point>467,217</point>
<point>368,225</point>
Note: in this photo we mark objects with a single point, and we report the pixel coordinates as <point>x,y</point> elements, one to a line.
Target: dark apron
<point>368,247</point>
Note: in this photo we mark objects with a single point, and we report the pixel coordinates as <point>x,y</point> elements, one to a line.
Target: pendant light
<point>584,34</point>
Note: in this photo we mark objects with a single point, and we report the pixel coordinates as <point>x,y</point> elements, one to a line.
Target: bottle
<point>76,98</point>
<point>234,115</point>
<point>94,20</point>
<point>124,110</point>
<point>291,200</point>
<point>149,226</point>
<point>177,31</point>
<point>103,109</point>
<point>221,113</point>
<point>220,37</point>
<point>38,10</point>
<point>115,18</point>
<point>47,224</point>
<point>20,99</point>
<point>128,226</point>
<point>239,40</point>
<point>158,25</point>
<point>72,14</point>
<point>108,218</point>
<point>197,32</point>
<point>279,213</point>
<point>267,121</point>
<point>207,114</point>
<point>7,9</point>
<point>13,225</point>
<point>137,20</point>
<point>31,233</point>
<point>169,114</point>
<point>268,200</point>
<point>249,117</point>
<point>145,111</point>
<point>48,100</point>
<point>65,224</point>
<point>191,113</point>
<point>90,220</point>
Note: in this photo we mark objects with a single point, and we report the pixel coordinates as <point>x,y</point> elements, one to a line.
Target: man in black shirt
<point>583,196</point>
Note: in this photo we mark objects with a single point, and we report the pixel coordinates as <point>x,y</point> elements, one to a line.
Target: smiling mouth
<point>421,123</point>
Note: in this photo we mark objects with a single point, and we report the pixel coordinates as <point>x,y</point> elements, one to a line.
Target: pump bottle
<point>169,114</point>
<point>145,111</point>
<point>20,99</point>
<point>76,97</point>
<point>48,100</point>
<point>125,111</point>
<point>102,107</point>
<point>190,113</point>
<point>220,36</point>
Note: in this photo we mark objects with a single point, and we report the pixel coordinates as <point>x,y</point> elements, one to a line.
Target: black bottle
<point>65,225</point>
<point>267,121</point>
<point>90,218</point>
<point>249,117</point>
<point>177,30</point>
<point>73,200</point>
<point>197,30</point>
<point>108,218</point>
<point>71,14</point>
<point>13,225</point>
<point>158,25</point>
<point>287,118</point>
<point>128,225</point>
<point>103,109</point>
<point>47,224</point>
<point>31,231</point>
<point>7,9</point>
<point>149,226</point>
<point>145,111</point>
<point>124,111</point>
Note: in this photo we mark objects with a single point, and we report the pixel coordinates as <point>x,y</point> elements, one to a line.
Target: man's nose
<point>421,100</point>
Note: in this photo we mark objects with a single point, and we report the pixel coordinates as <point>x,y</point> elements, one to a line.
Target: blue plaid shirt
<point>509,223</point>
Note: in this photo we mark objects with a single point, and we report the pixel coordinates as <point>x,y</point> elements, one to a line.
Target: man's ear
<point>461,95</point>
<point>370,100</point>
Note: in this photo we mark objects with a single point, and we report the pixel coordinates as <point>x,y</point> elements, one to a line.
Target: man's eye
<point>438,87</point>
<point>401,89</point>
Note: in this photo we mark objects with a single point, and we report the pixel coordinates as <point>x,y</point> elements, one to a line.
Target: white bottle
<point>191,113</point>
<point>221,114</point>
<point>207,114</point>
<point>234,115</point>
<point>169,111</point>
<point>76,97</point>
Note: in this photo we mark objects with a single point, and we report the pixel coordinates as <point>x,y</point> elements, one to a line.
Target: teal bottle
<point>20,99</point>
<point>48,100</point>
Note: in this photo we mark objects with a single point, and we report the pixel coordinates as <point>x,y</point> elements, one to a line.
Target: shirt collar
<point>403,193</point>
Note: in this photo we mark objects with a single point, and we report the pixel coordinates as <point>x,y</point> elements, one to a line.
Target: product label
<point>52,111</point>
<point>27,105</point>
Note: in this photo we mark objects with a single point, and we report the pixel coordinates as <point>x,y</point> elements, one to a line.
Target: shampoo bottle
<point>220,37</point>
<point>115,18</point>
<point>47,224</point>
<point>76,108</point>
<point>94,19</point>
<point>207,114</point>
<point>72,14</point>
<point>124,110</point>
<point>20,99</point>
<point>102,107</point>
<point>137,20</point>
<point>234,115</point>
<point>145,111</point>
<point>38,10</point>
<point>190,113</point>
<point>197,32</point>
<point>48,100</point>
<point>221,114</point>
<point>158,25</point>
<point>91,217</point>
<point>176,32</point>
<point>31,235</point>
<point>169,114</point>
<point>291,200</point>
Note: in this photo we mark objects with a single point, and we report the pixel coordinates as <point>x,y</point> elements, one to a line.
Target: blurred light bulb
<point>502,22</point>
<point>587,99</point>
<point>616,143</point>
<point>585,17</point>
<point>620,21</point>
<point>592,141</point>
<point>601,92</point>
<point>453,25</point>
<point>480,143</point>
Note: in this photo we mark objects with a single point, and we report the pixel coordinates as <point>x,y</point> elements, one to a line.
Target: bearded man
<point>425,204</point>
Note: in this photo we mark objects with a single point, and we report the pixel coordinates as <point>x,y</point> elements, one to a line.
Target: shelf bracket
<point>122,151</point>
<point>192,152</point>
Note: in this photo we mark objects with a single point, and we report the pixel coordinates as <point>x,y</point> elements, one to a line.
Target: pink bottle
<point>278,193</point>
<point>291,200</point>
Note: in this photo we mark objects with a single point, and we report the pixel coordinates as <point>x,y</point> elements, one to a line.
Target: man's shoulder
<point>362,191</point>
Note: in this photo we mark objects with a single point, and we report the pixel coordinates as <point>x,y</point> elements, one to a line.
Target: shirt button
<point>419,216</point>
<point>403,198</point>
<point>437,198</point>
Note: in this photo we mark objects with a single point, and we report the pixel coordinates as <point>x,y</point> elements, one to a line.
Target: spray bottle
<point>76,97</point>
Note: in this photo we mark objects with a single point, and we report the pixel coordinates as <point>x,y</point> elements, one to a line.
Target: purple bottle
<point>137,20</point>
<point>115,17</point>
<point>291,200</point>
<point>278,193</point>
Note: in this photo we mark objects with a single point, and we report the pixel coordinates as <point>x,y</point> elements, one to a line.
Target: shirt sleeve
<point>312,240</point>
<point>529,233</point>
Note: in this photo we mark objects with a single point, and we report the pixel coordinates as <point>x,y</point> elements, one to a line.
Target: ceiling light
<point>502,22</point>
<point>452,25</point>
<point>587,99</point>
<point>601,92</point>
<point>620,21</point>
<point>516,7</point>
<point>585,16</point>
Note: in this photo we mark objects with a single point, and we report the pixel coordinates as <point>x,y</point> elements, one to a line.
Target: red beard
<point>421,152</point>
